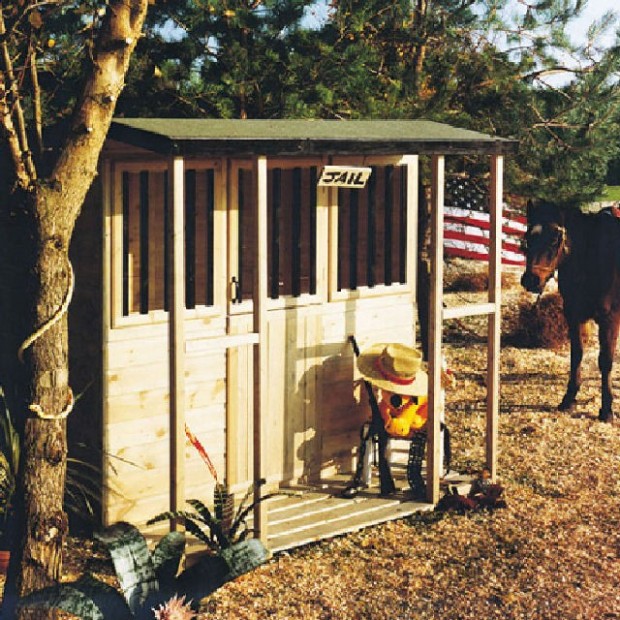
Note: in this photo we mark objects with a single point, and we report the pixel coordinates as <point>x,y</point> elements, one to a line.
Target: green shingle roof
<point>301,137</point>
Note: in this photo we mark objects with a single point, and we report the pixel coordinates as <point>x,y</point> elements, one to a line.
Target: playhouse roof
<point>301,137</point>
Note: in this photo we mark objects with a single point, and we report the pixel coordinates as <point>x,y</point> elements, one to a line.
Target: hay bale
<point>540,324</point>
<point>477,282</point>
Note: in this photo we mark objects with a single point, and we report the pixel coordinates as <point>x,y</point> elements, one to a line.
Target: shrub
<point>540,324</point>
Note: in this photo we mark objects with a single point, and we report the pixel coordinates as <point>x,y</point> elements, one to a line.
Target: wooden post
<point>260,327</point>
<point>412,171</point>
<point>106,321</point>
<point>433,465</point>
<point>495,297</point>
<point>176,305</point>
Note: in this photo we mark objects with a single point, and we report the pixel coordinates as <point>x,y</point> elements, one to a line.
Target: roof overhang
<point>213,137</point>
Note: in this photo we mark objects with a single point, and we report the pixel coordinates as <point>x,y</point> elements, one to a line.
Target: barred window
<point>291,212</point>
<point>372,230</point>
<point>146,216</point>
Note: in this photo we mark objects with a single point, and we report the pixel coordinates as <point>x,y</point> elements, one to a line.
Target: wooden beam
<point>459,312</point>
<point>412,171</point>
<point>260,292</point>
<point>107,297</point>
<point>433,465</point>
<point>495,298</point>
<point>176,317</point>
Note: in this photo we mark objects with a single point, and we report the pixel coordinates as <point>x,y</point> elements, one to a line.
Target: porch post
<point>495,298</point>
<point>176,333</point>
<point>260,328</point>
<point>435,326</point>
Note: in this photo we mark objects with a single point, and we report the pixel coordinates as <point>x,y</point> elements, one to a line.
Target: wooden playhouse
<point>219,274</point>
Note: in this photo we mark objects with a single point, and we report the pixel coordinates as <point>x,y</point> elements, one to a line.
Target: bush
<point>540,324</point>
<point>477,282</point>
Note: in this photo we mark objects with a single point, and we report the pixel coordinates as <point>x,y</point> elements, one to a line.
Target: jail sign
<point>353,177</point>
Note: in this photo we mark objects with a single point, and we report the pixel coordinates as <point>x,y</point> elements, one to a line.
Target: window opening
<point>291,196</point>
<point>372,231</point>
<point>146,221</point>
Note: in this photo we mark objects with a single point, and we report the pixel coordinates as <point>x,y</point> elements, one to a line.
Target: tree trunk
<point>36,223</point>
<point>44,279</point>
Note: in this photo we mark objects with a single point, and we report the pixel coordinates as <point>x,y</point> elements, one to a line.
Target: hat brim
<point>366,364</point>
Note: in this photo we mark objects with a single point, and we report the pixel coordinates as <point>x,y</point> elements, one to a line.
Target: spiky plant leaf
<point>211,522</point>
<point>86,598</point>
<point>173,515</point>
<point>132,562</point>
<point>167,557</point>
<point>207,537</point>
<point>224,507</point>
<point>242,515</point>
<point>244,557</point>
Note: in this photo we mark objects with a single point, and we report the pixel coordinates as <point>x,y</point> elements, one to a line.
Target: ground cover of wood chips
<point>553,553</point>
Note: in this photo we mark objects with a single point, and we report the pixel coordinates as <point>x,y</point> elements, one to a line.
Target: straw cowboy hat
<point>394,367</point>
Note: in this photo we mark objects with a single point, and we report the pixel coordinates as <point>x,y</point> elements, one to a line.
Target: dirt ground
<point>553,553</point>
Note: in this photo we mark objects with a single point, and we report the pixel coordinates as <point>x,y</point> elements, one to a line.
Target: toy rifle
<point>377,430</point>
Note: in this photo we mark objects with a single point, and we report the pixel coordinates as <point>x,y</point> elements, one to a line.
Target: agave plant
<point>223,527</point>
<point>148,581</point>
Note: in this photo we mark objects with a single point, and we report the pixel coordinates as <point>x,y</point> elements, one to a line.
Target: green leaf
<point>87,598</point>
<point>244,557</point>
<point>167,557</point>
<point>132,562</point>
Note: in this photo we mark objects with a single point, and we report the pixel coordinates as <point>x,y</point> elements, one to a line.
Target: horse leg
<point>608,336</point>
<point>576,334</point>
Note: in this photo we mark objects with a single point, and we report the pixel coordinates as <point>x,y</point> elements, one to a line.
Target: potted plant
<point>9,462</point>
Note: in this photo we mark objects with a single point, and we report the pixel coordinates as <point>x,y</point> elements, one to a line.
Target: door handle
<point>236,294</point>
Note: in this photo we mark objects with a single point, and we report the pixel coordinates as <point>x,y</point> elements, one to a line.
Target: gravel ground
<point>553,553</point>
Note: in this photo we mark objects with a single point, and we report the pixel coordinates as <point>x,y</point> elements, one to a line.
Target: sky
<point>595,9</point>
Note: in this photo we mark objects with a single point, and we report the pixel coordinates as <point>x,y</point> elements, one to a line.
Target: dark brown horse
<point>585,251</point>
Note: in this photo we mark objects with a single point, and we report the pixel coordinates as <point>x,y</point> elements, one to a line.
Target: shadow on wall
<point>330,391</point>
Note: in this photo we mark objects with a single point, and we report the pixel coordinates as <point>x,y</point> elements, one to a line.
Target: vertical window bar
<point>241,207</point>
<point>403,225</point>
<point>353,237</point>
<point>166,244</point>
<point>312,232</point>
<point>371,254</point>
<point>144,242</point>
<point>389,208</point>
<point>296,233</point>
<point>190,239</point>
<point>210,236</point>
<point>125,183</point>
<point>341,238</point>
<point>276,184</point>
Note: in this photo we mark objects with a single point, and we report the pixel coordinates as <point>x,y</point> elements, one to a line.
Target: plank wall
<point>137,429</point>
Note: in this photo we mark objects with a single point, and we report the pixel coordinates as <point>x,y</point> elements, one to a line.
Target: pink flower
<point>174,609</point>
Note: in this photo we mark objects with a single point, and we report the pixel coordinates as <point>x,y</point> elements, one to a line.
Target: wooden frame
<point>438,314</point>
<point>378,290</point>
<point>118,320</point>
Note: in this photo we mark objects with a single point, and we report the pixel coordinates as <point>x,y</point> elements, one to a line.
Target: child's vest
<point>403,416</point>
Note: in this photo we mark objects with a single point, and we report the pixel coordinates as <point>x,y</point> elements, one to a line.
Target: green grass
<point>611,192</point>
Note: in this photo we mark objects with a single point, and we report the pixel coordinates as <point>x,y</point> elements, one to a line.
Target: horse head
<point>546,245</point>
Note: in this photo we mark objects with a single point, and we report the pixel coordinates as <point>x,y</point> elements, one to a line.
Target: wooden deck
<point>316,513</point>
